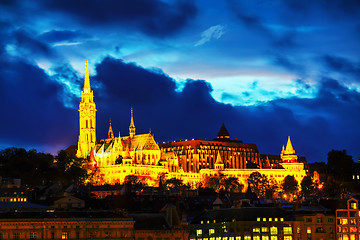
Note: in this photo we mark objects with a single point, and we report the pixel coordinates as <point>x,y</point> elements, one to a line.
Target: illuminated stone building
<point>191,161</point>
<point>194,155</point>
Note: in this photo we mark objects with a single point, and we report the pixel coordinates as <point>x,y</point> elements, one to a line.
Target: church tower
<point>132,125</point>
<point>87,117</point>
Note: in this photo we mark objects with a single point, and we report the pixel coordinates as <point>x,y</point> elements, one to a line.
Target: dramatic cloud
<point>159,18</point>
<point>281,73</point>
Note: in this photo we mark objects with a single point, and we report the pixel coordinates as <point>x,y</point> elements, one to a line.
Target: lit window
<point>256,230</point>
<point>238,238</point>
<point>282,219</point>
<point>211,231</point>
<point>343,221</point>
<point>247,237</point>
<point>64,235</point>
<point>353,205</point>
<point>287,230</point>
<point>276,219</point>
<point>258,219</point>
<point>199,232</point>
<point>265,238</point>
<point>264,219</point>
<point>270,219</point>
<point>256,237</point>
<point>264,229</point>
<point>274,238</point>
<point>33,235</point>
<point>287,237</point>
<point>308,230</point>
<point>273,230</point>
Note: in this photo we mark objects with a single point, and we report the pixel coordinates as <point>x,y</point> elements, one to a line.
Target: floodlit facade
<point>192,161</point>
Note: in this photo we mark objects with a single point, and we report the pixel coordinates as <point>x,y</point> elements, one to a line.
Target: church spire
<point>87,79</point>
<point>132,125</point>
<point>110,132</point>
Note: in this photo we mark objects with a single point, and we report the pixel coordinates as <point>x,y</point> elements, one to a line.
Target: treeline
<point>37,168</point>
<point>339,176</point>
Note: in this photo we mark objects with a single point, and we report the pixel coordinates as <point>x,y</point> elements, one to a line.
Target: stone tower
<point>87,117</point>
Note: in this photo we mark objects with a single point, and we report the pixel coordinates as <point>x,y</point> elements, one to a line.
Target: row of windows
<point>246,237</point>
<point>256,230</point>
<point>64,235</point>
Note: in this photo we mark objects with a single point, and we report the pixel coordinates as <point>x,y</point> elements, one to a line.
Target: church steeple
<point>87,119</point>
<point>87,88</point>
<point>110,132</point>
<point>132,125</point>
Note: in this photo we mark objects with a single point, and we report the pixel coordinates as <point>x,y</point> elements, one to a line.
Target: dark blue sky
<point>267,69</point>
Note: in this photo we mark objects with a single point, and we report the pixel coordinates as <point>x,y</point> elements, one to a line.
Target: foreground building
<point>192,161</point>
<point>348,221</point>
<point>65,225</point>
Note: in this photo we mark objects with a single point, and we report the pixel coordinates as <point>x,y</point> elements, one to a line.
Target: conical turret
<point>289,148</point>
<point>288,154</point>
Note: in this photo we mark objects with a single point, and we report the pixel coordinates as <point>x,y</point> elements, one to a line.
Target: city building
<point>191,160</point>
<point>65,225</point>
<point>250,223</point>
<point>348,221</point>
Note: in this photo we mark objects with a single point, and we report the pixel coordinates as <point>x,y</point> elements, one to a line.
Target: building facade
<point>65,225</point>
<point>348,221</point>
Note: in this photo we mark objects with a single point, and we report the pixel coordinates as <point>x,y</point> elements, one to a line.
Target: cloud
<point>34,115</point>
<point>56,36</point>
<point>214,32</point>
<point>156,18</point>
<point>342,65</point>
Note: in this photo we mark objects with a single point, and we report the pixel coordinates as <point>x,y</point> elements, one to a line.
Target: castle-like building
<point>190,160</point>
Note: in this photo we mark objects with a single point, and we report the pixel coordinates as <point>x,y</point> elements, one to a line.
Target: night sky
<point>267,69</point>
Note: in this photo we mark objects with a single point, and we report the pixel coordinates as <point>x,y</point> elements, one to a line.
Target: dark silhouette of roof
<point>223,132</point>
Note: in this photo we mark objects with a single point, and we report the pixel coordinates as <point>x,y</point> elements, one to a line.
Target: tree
<point>340,164</point>
<point>214,182</point>
<point>290,185</point>
<point>258,183</point>
<point>290,188</point>
<point>307,185</point>
<point>136,181</point>
<point>173,183</point>
<point>232,185</point>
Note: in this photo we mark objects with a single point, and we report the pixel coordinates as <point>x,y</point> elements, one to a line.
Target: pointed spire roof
<point>110,132</point>
<point>289,148</point>
<point>87,79</point>
<point>132,119</point>
<point>132,125</point>
<point>223,132</point>
<point>218,159</point>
